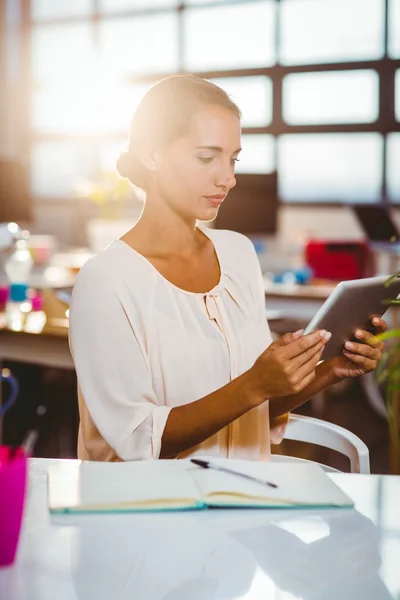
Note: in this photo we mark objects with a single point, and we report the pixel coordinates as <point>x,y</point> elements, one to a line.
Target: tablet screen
<point>351,306</point>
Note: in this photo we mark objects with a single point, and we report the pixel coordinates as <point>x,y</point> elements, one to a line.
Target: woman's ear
<point>150,160</point>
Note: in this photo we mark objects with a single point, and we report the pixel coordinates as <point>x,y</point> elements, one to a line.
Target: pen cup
<point>12,495</point>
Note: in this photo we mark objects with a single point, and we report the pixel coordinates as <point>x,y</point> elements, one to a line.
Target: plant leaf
<point>387,335</point>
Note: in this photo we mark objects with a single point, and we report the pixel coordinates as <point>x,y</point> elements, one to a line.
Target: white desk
<point>226,554</point>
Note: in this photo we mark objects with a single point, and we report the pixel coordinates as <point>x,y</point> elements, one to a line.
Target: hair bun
<point>130,167</point>
<point>124,165</point>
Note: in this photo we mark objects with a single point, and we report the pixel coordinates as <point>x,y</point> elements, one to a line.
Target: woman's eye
<point>234,160</point>
<point>205,159</point>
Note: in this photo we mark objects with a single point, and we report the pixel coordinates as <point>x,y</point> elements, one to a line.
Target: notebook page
<point>298,484</point>
<point>113,486</point>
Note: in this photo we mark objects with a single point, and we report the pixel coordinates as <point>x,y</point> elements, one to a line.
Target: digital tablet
<point>351,306</point>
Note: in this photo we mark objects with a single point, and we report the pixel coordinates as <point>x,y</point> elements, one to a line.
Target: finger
<point>321,353</point>
<point>379,324</point>
<point>306,342</point>
<point>367,338</point>
<point>288,338</point>
<point>304,373</point>
<point>297,334</point>
<point>361,361</point>
<point>363,350</point>
<point>311,355</point>
<point>306,380</point>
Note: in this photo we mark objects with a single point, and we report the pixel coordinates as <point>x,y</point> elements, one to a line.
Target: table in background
<point>44,342</point>
<point>248,554</point>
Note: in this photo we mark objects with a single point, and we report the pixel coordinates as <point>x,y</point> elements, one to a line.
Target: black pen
<point>209,465</point>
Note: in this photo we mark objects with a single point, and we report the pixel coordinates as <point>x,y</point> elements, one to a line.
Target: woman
<point>167,325</point>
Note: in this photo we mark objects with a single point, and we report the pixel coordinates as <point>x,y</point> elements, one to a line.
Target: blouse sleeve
<point>277,424</point>
<point>112,368</point>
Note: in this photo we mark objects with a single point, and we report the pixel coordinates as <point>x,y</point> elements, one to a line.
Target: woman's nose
<point>226,178</point>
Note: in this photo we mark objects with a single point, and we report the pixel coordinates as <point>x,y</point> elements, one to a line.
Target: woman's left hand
<point>360,358</point>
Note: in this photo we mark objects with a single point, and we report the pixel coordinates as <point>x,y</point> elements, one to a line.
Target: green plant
<point>388,373</point>
<point>108,191</point>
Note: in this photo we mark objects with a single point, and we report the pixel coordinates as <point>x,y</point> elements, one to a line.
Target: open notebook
<point>179,484</point>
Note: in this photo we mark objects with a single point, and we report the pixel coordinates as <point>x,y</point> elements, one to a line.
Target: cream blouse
<point>141,346</point>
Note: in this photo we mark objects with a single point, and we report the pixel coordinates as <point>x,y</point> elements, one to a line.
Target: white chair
<point>328,435</point>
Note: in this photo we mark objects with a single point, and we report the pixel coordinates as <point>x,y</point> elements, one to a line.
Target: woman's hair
<point>164,115</point>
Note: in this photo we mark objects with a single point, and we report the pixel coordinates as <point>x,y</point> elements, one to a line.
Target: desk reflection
<point>319,556</point>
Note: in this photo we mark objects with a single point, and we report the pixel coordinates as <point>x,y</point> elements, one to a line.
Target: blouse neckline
<point>211,292</point>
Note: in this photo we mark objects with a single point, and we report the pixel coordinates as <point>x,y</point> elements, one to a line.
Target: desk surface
<point>211,555</point>
<point>319,290</point>
<point>52,321</point>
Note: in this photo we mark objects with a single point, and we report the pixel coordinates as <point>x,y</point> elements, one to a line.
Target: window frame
<point>385,67</point>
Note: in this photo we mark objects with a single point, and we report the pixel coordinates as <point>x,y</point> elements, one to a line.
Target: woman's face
<point>194,173</point>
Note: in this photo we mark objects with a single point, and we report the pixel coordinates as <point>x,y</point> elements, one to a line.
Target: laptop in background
<point>378,225</point>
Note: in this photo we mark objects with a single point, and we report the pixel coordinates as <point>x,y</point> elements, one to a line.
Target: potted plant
<point>388,373</point>
<point>119,205</point>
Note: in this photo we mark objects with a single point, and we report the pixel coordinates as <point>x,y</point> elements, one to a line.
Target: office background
<point>318,83</point>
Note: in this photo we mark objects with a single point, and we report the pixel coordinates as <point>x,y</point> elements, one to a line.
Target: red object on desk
<point>339,260</point>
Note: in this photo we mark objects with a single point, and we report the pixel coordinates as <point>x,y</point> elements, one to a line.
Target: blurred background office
<point>318,83</point>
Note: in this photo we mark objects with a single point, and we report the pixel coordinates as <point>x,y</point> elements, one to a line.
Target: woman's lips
<point>215,200</point>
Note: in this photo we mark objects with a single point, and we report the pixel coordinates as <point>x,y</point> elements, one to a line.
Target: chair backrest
<point>328,435</point>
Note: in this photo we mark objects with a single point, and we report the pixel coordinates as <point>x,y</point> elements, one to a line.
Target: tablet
<point>351,306</point>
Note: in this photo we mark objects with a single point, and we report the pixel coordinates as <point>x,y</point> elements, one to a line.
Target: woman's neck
<point>163,233</point>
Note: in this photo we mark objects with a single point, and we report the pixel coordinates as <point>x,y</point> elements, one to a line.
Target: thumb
<point>288,338</point>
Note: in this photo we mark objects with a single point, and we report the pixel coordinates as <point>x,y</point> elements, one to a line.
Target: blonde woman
<point>168,332</point>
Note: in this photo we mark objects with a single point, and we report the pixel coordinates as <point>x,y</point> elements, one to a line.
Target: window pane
<point>56,167</point>
<point>188,2</point>
<point>317,31</point>
<point>145,44</point>
<point>394,28</point>
<point>393,170</point>
<point>48,9</point>
<point>335,167</point>
<point>253,95</point>
<point>257,155</point>
<point>397,95</point>
<point>95,108</point>
<point>113,6</point>
<point>52,58</point>
<point>226,37</point>
<point>337,97</point>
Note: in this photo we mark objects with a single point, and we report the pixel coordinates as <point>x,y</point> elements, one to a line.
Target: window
<point>227,37</point>
<point>43,10</point>
<point>323,31</point>
<point>394,28</point>
<point>336,97</point>
<point>393,170</point>
<point>257,155</point>
<point>98,107</point>
<point>309,93</point>
<point>131,46</point>
<point>253,95</point>
<point>53,50</point>
<point>56,167</point>
<point>335,167</point>
<point>113,6</point>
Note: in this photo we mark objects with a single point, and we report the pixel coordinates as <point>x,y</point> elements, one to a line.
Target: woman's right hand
<point>288,365</point>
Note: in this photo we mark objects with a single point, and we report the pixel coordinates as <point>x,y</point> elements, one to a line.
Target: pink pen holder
<point>13,473</point>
